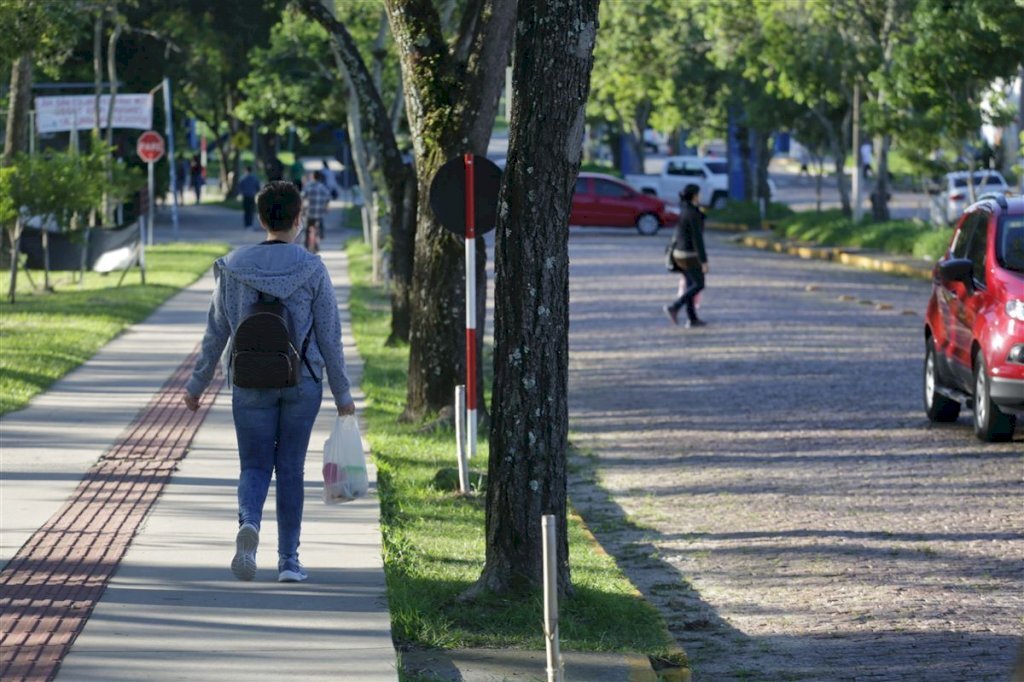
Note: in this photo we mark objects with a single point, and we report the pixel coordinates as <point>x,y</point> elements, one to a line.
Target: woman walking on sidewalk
<point>273,425</point>
<point>689,256</point>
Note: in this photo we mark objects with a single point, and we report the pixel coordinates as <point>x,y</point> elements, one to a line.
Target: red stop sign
<point>150,146</point>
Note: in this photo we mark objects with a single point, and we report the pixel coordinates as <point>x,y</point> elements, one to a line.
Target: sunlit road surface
<point>799,516</point>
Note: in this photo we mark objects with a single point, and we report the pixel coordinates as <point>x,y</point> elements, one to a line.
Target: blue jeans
<point>273,427</point>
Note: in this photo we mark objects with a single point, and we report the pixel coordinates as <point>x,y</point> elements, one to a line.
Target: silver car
<point>954,194</point>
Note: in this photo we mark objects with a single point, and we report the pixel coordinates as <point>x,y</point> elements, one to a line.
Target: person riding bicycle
<point>315,197</point>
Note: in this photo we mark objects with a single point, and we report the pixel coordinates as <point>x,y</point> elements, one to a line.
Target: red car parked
<point>605,201</point>
<point>974,330</point>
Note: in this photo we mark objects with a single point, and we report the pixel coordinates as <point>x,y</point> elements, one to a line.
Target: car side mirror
<point>957,270</point>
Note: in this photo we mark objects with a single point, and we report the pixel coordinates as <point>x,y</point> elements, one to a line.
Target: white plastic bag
<point>345,477</point>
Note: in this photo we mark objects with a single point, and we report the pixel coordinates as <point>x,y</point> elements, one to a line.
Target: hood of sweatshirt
<point>275,269</point>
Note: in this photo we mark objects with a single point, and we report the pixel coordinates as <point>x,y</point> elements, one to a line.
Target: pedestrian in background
<point>866,159</point>
<point>248,187</point>
<point>196,177</point>
<point>273,425</point>
<point>689,256</point>
<point>180,178</point>
<point>316,197</point>
<point>329,180</point>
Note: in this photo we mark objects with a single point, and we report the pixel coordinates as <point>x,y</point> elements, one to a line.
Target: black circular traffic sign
<point>448,194</point>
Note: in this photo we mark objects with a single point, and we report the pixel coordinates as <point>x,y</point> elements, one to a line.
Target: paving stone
<point>778,468</point>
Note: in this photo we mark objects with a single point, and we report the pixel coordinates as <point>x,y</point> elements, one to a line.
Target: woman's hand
<point>191,401</point>
<point>704,268</point>
<point>347,409</point>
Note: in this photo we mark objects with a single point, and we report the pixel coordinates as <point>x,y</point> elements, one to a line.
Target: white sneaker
<point>291,571</point>
<point>246,542</point>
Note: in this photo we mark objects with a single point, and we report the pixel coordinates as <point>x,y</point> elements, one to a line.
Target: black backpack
<point>263,354</point>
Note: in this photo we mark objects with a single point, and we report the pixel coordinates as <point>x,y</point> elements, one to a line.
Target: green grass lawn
<point>434,538</point>
<point>45,335</point>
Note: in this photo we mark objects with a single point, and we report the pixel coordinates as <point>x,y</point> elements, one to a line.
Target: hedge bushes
<point>748,212</point>
<point>898,237</point>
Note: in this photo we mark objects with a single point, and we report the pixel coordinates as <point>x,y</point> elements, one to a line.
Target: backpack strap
<point>305,345</point>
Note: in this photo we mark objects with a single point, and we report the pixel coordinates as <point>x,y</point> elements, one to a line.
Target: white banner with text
<point>59,114</point>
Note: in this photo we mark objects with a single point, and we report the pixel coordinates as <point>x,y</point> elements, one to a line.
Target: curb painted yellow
<point>640,669</point>
<point>865,261</point>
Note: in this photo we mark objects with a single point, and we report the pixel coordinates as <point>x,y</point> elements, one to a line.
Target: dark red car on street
<point>605,201</point>
<point>974,328</point>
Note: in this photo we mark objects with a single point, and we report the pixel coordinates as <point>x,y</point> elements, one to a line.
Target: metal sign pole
<point>149,219</point>
<point>471,391</point>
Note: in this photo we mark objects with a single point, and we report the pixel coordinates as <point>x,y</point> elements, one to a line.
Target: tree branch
<point>468,29</point>
<point>169,45</point>
<point>375,115</point>
<point>492,45</point>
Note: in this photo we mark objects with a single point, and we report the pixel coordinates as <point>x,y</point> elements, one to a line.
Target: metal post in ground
<point>460,438</point>
<point>554,656</point>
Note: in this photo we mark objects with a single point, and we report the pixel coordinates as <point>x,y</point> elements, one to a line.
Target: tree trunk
<point>820,165</point>
<point>97,74</point>
<point>880,197</point>
<point>530,420</point>
<point>234,126</point>
<point>14,235</point>
<point>108,208</point>
<point>451,104</point>
<point>226,183</point>
<point>366,188</point>
<point>398,107</point>
<point>16,134</point>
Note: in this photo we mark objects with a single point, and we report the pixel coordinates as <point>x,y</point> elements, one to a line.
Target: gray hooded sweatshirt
<point>297,278</point>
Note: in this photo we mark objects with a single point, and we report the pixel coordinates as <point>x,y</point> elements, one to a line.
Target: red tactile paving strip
<point>49,589</point>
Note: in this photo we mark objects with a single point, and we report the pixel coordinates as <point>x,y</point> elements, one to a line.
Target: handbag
<point>685,263</point>
<point>344,470</point>
<point>670,262</point>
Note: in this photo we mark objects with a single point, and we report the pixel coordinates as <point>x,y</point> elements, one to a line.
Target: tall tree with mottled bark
<point>386,164</point>
<point>529,413</point>
<point>451,95</point>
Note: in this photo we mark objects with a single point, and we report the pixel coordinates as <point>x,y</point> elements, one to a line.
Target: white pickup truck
<point>708,172</point>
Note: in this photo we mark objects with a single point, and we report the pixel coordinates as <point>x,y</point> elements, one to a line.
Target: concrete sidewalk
<point>172,610</point>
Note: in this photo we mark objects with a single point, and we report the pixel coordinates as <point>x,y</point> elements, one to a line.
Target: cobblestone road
<point>774,485</point>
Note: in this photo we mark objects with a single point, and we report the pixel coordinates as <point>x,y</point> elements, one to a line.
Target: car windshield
<point>717,167</point>
<point>980,179</point>
<point>1010,247</point>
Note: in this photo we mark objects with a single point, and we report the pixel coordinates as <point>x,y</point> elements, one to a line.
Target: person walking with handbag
<point>273,411</point>
<point>690,257</point>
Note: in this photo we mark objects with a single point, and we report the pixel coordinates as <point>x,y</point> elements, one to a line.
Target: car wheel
<point>990,424</point>
<point>938,407</point>
<point>647,224</point>
<point>718,200</point>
